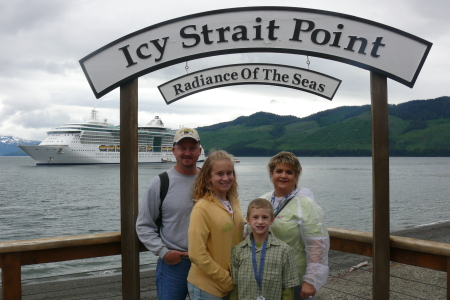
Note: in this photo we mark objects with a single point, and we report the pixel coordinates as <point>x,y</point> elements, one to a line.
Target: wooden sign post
<point>380,186</point>
<point>129,189</point>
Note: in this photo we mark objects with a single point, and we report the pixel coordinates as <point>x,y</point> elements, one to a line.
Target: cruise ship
<point>97,142</point>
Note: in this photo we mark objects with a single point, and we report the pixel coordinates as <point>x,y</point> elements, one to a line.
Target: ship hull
<point>60,155</point>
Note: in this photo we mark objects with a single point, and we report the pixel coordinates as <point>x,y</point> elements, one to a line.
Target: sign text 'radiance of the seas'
<point>267,74</point>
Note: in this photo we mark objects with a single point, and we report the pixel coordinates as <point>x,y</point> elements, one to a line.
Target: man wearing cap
<point>170,244</point>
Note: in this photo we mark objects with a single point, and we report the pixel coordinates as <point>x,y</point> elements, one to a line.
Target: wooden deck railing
<point>15,254</point>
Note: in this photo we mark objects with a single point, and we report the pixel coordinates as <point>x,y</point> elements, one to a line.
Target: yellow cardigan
<point>212,234</point>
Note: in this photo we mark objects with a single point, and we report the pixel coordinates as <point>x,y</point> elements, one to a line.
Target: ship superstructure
<point>98,142</point>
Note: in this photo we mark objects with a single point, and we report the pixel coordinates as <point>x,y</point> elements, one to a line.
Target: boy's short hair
<point>260,203</point>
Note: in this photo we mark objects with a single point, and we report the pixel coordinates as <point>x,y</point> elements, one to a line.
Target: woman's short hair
<point>286,158</point>
<point>260,203</point>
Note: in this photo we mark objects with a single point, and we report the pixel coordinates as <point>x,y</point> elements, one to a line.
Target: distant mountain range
<point>416,128</point>
<point>8,145</point>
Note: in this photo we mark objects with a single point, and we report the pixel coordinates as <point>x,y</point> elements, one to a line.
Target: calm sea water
<point>49,201</point>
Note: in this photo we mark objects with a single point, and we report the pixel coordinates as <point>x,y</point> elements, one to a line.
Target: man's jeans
<point>171,280</point>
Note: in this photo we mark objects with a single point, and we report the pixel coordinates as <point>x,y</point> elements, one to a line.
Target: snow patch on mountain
<point>8,145</point>
<point>13,140</point>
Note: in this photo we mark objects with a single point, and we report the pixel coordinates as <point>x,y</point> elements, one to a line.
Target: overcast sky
<point>42,84</point>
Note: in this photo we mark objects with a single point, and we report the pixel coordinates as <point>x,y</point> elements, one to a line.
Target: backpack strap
<point>164,187</point>
<point>283,206</point>
<point>164,178</point>
<point>303,191</point>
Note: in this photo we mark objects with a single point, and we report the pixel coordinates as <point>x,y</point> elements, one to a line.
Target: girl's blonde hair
<point>203,188</point>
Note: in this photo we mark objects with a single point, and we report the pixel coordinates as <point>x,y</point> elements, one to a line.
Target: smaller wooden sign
<point>269,74</point>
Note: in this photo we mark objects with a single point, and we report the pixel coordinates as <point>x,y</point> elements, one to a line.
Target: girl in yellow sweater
<point>216,226</point>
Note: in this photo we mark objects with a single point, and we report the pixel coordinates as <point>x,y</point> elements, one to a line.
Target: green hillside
<point>416,128</point>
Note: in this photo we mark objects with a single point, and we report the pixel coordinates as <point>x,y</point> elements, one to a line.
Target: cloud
<point>21,16</point>
<point>42,84</point>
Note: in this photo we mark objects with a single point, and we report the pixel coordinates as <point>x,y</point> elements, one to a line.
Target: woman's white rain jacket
<point>300,224</point>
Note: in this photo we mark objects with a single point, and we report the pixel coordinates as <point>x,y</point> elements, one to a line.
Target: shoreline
<point>435,232</point>
<point>348,281</point>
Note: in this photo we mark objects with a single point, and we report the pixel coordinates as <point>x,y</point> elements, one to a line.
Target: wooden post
<point>11,277</point>
<point>380,185</point>
<point>448,278</point>
<point>129,189</point>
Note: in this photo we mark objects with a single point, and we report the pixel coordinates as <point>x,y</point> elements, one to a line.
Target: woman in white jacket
<point>299,222</point>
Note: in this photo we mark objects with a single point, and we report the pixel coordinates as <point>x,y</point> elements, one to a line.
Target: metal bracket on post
<point>129,189</point>
<point>380,185</point>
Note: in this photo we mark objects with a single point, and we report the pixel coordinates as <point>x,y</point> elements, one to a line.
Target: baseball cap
<point>186,133</point>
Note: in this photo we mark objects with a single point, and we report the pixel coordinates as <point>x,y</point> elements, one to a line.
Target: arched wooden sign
<point>238,74</point>
<point>352,40</point>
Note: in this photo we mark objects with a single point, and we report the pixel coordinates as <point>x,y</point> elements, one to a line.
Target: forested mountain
<point>416,128</point>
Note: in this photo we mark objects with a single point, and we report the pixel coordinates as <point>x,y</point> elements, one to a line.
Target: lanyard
<point>282,200</point>
<point>258,276</point>
<point>227,206</point>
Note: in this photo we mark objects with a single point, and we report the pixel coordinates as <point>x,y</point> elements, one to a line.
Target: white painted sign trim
<point>348,39</point>
<point>238,74</point>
